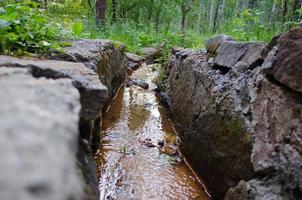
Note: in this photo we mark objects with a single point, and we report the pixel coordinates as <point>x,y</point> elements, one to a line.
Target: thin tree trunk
<point>252,4</point>
<point>114,5</point>
<point>150,10</point>
<point>284,10</point>
<point>46,4</point>
<point>297,5</point>
<point>100,8</point>
<point>272,16</point>
<point>198,27</point>
<point>218,14</point>
<point>212,16</point>
<point>90,5</point>
<point>185,8</point>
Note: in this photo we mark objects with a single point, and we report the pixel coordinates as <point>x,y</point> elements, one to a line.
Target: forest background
<point>36,27</point>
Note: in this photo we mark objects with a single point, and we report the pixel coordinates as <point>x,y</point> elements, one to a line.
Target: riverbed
<point>130,169</point>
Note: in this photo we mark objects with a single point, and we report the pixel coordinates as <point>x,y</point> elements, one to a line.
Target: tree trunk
<point>272,16</point>
<point>296,6</point>
<point>284,10</point>
<point>46,4</point>
<point>199,21</point>
<point>150,10</point>
<point>100,9</point>
<point>218,15</point>
<point>185,8</point>
<point>114,5</point>
<point>252,4</point>
<point>212,16</point>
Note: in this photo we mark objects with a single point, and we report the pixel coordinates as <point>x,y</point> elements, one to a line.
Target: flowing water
<point>128,168</point>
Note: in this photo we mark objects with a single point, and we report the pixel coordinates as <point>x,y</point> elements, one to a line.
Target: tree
<point>218,15</point>
<point>186,6</point>
<point>212,15</point>
<point>100,9</point>
<point>114,5</point>
<point>296,6</point>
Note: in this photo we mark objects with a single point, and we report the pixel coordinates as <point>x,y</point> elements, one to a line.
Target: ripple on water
<point>129,170</point>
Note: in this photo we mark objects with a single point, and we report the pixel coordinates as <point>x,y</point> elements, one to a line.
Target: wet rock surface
<point>102,56</point>
<point>213,134</point>
<point>140,83</point>
<point>226,52</point>
<point>93,62</point>
<point>133,62</point>
<point>39,130</point>
<point>242,126</point>
<point>151,53</point>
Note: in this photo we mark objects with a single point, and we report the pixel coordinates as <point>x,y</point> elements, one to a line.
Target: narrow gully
<point>130,166</point>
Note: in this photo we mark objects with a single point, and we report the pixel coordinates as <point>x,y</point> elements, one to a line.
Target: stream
<point>131,168</point>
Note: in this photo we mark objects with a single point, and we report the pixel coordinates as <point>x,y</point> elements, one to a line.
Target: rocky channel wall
<point>238,111</point>
<point>50,120</point>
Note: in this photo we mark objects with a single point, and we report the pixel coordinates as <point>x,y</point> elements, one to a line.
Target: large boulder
<point>209,110</point>
<point>277,123</point>
<point>102,56</point>
<point>93,95</point>
<point>93,92</point>
<point>241,126</point>
<point>39,137</point>
<point>287,66</point>
<point>226,52</point>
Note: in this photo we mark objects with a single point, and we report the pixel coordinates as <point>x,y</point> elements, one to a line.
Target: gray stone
<point>93,93</point>
<point>151,53</point>
<point>39,135</point>
<point>134,58</point>
<point>287,65</point>
<point>139,83</point>
<point>210,120</point>
<point>227,52</point>
<point>245,124</point>
<point>102,56</point>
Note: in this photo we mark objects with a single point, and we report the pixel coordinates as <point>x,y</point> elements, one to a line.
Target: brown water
<point>130,170</point>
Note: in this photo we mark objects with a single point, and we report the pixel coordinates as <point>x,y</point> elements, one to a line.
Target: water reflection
<point>129,170</point>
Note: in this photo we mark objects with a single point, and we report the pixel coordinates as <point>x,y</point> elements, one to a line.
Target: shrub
<point>25,29</point>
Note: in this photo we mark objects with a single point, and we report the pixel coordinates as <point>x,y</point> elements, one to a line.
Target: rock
<point>227,52</point>
<point>210,121</point>
<point>164,100</point>
<point>133,62</point>
<point>242,129</point>
<point>255,190</point>
<point>131,66</point>
<point>140,83</point>
<point>287,66</point>
<point>151,53</point>
<point>102,56</point>
<point>134,58</point>
<point>39,136</point>
<point>93,93</point>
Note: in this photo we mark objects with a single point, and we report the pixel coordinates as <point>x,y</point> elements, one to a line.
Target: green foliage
<point>28,27</point>
<point>77,28</point>
<point>138,36</point>
<point>162,80</point>
<point>25,30</point>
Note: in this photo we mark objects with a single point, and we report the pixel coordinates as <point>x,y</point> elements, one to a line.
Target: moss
<point>117,44</point>
<point>233,127</point>
<point>162,80</point>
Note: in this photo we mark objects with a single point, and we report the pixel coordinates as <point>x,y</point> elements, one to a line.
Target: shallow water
<point>130,170</point>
